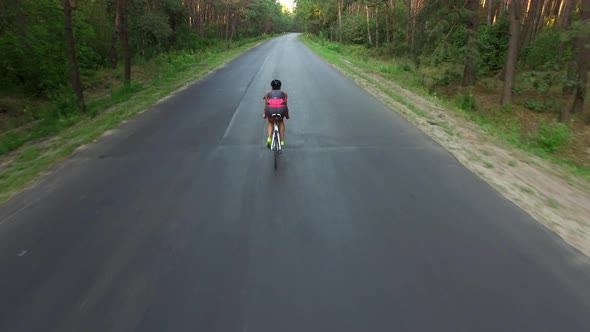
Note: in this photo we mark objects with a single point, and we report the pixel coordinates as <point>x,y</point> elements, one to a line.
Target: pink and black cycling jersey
<point>276,103</point>
<point>276,99</point>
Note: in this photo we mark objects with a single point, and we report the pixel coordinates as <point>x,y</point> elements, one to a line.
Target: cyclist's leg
<point>283,112</point>
<point>269,126</point>
<point>282,131</point>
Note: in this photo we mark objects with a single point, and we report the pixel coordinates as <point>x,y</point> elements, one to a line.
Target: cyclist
<point>275,103</point>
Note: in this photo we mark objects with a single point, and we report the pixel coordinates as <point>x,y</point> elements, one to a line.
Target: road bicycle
<point>275,145</point>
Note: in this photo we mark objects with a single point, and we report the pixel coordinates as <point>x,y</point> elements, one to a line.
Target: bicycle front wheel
<point>276,149</point>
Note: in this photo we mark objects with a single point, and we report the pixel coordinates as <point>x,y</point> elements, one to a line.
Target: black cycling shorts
<point>280,110</point>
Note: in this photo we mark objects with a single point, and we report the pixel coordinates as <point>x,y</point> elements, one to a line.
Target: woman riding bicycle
<point>275,103</point>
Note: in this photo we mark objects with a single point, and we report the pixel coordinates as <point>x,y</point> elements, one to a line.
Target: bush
<point>388,69</point>
<point>186,39</point>
<point>334,47</point>
<point>354,29</point>
<point>543,51</point>
<point>465,101</point>
<point>535,105</point>
<point>149,33</point>
<point>448,77</point>
<point>552,136</point>
<point>407,68</point>
<point>492,46</point>
<point>451,50</point>
<point>64,102</point>
<point>541,83</point>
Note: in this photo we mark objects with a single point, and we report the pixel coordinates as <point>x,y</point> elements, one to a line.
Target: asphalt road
<point>176,221</point>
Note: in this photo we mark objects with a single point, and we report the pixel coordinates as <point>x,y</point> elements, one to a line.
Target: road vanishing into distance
<point>177,221</point>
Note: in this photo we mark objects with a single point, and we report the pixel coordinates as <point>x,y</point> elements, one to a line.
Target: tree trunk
<point>124,17</point>
<point>491,10</point>
<point>544,16</point>
<point>233,26</point>
<point>554,11</point>
<point>227,10</point>
<point>21,21</point>
<point>387,39</point>
<point>541,15</point>
<point>340,5</point>
<point>510,67</point>
<point>409,33</point>
<point>392,22</point>
<point>564,23</point>
<point>74,72</point>
<point>115,37</point>
<point>529,23</point>
<point>583,61</point>
<point>377,26</point>
<point>471,51</point>
<point>201,22</point>
<point>368,27</point>
<point>569,87</point>
<point>502,7</point>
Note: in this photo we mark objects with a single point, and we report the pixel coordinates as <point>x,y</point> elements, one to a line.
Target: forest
<point>100,33</point>
<point>517,67</point>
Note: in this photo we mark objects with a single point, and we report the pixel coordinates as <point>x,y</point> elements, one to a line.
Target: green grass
<point>552,203</point>
<point>475,157</point>
<point>512,163</point>
<point>70,131</point>
<point>28,154</point>
<point>45,125</point>
<point>525,189</point>
<point>579,171</point>
<point>487,164</point>
<point>447,128</point>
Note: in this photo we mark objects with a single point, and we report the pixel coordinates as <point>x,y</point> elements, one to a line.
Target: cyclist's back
<point>276,103</point>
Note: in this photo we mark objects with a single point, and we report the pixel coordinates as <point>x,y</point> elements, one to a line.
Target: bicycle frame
<point>276,141</point>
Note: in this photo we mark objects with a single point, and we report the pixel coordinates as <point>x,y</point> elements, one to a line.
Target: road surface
<point>176,221</point>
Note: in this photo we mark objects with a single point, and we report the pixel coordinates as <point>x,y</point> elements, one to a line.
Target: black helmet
<point>276,84</point>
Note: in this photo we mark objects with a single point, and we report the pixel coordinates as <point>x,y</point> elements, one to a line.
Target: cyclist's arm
<point>286,97</point>
<point>265,105</point>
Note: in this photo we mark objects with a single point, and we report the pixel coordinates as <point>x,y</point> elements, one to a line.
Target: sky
<point>288,3</point>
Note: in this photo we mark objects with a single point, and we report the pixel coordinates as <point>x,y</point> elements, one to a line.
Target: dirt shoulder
<point>552,195</point>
